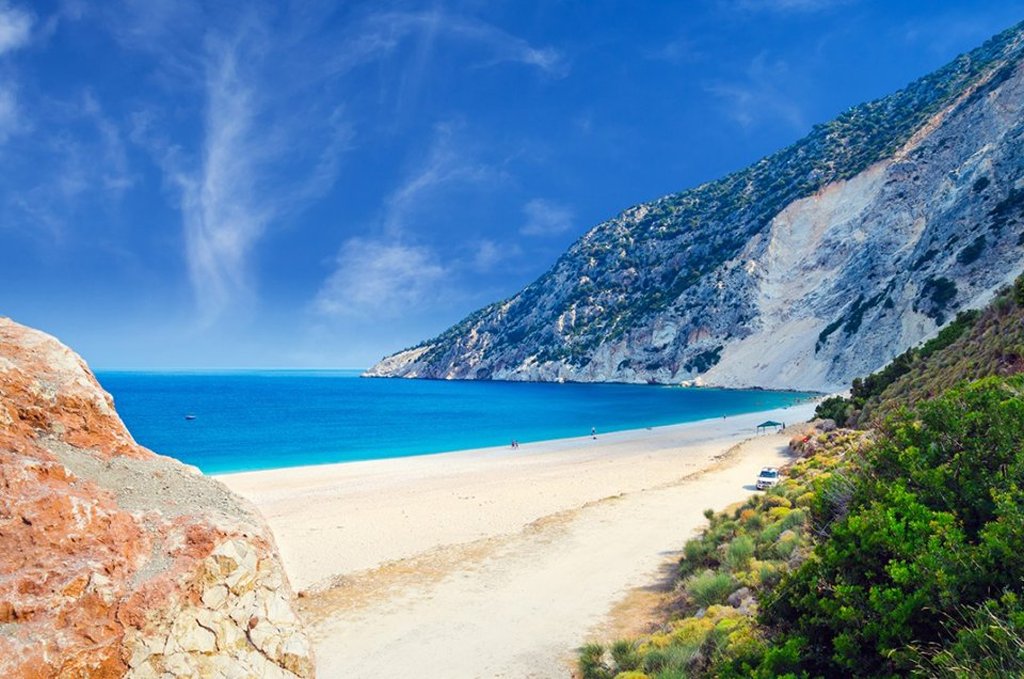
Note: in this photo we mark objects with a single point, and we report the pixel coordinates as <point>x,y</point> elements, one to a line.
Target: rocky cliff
<point>115,561</point>
<point>814,265</point>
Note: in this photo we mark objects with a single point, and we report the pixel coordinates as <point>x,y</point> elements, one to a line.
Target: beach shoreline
<point>396,557</point>
<point>539,447</point>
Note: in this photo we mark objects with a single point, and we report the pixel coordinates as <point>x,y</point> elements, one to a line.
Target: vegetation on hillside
<point>976,344</point>
<point>740,558</point>
<point>928,530</point>
<point>890,552</point>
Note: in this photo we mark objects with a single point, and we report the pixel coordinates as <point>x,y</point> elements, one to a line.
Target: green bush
<point>932,524</point>
<point>709,588</point>
<point>770,534</point>
<point>696,550</point>
<point>786,544</point>
<point>773,499</point>
<point>834,408</point>
<point>625,656</point>
<point>989,643</point>
<point>591,663</point>
<point>795,519</point>
<point>671,662</point>
<point>739,552</point>
<point>769,574</point>
<point>918,551</point>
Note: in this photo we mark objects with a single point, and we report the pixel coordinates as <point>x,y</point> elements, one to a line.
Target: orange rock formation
<point>115,561</point>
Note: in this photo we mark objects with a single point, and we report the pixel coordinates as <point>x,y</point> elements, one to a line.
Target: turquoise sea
<point>281,418</point>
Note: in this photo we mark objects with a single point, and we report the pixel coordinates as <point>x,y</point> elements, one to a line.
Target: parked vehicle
<point>768,477</point>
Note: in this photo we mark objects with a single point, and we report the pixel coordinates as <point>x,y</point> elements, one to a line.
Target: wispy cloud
<point>9,118</point>
<point>488,255</point>
<point>381,278</point>
<point>393,272</point>
<point>223,215</point>
<point>15,33</point>
<point>943,32</point>
<point>247,115</point>
<point>415,41</point>
<point>248,172</point>
<point>545,218</point>
<point>787,5</point>
<point>260,159</point>
<point>450,165</point>
<point>760,95</point>
<point>15,27</point>
<point>113,169</point>
<point>85,159</point>
<point>681,50</point>
<point>386,29</point>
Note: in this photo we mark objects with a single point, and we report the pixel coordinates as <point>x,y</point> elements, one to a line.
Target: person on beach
<point>593,432</point>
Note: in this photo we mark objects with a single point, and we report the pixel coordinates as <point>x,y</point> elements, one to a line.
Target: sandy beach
<point>498,562</point>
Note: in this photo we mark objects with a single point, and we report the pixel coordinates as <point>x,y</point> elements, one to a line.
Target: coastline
<point>282,493</point>
<point>252,477</point>
<point>381,547</point>
<point>240,421</point>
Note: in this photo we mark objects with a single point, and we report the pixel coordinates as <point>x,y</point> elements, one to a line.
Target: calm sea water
<point>267,419</point>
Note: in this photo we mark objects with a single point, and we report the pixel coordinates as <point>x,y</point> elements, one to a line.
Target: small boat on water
<point>190,417</point>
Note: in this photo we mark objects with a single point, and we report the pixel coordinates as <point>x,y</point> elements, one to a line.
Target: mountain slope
<point>816,264</point>
<point>981,343</point>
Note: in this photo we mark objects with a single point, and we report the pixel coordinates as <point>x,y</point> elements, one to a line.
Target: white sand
<point>496,562</point>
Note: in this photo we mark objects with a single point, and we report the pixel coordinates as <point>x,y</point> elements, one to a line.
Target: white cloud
<point>15,32</point>
<point>375,278</point>
<point>15,28</point>
<point>81,159</point>
<point>449,164</point>
<point>789,5</point>
<point>386,274</point>
<point>222,215</point>
<point>414,37</point>
<point>113,168</point>
<point>487,255</point>
<point>9,118</point>
<point>509,48</point>
<point>681,50</point>
<point>386,30</point>
<point>760,95</point>
<point>546,218</point>
<point>267,150</point>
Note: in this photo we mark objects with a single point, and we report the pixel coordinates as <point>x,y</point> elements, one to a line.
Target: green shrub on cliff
<point>751,547</point>
<point>932,524</point>
<point>975,344</point>
<point>893,554</point>
<point>709,588</point>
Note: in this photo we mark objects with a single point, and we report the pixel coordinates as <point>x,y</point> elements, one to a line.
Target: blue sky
<point>318,184</point>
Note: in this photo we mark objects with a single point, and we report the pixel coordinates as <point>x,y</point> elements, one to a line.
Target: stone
<point>214,597</point>
<point>118,561</point>
<point>825,425</point>
<point>191,637</point>
<point>737,597</point>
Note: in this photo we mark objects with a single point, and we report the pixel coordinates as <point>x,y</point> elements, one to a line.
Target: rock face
<point>115,561</point>
<point>814,265</point>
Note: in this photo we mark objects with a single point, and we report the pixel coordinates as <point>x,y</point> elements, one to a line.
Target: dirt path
<point>517,605</point>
